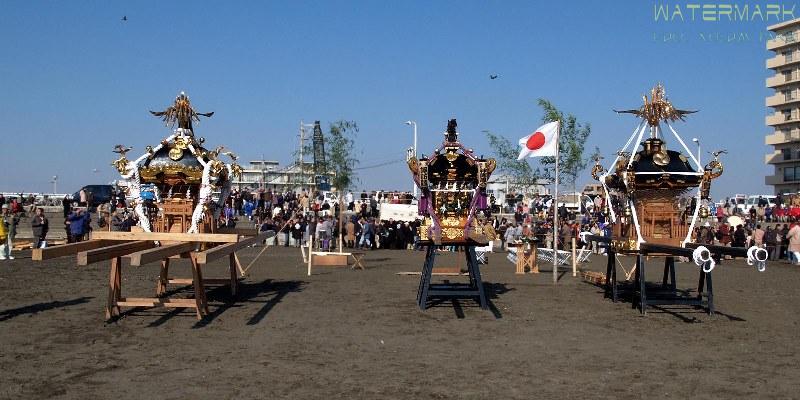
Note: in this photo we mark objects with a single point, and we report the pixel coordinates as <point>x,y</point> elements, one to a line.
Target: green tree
<point>571,141</point>
<point>505,152</point>
<point>340,158</point>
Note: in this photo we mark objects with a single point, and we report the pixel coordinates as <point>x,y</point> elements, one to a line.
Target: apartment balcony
<point>773,180</point>
<point>777,158</point>
<point>777,119</point>
<point>779,80</point>
<point>780,138</point>
<point>780,100</point>
<point>781,61</point>
<point>775,80</point>
<point>781,41</point>
<point>775,62</point>
<point>776,99</point>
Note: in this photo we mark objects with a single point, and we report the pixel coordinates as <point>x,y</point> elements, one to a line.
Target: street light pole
<point>55,184</point>
<point>414,124</point>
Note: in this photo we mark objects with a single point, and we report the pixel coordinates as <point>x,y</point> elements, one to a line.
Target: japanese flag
<point>541,143</point>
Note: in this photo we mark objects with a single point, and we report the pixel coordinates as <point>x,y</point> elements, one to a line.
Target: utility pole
<point>300,161</point>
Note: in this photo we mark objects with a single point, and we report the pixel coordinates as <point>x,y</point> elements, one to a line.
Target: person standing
<point>785,241</point>
<point>5,249</point>
<point>10,220</point>
<point>794,244</point>
<point>77,220</point>
<point>758,236</point>
<point>66,204</point>
<point>367,235</point>
<point>40,226</point>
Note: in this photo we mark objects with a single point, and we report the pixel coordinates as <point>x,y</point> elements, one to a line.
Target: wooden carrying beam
<point>248,231</point>
<point>156,302</point>
<point>207,256</point>
<point>648,248</point>
<point>67,249</point>
<point>721,250</point>
<point>111,252</point>
<point>168,236</point>
<point>159,253</point>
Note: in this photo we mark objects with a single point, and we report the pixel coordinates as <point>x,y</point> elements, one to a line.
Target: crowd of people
<point>298,217</point>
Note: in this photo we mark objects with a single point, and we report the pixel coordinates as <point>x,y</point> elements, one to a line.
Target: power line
<point>383,164</point>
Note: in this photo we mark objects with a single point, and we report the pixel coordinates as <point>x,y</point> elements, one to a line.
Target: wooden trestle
<point>139,248</point>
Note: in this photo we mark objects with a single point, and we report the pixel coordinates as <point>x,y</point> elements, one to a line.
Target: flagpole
<point>555,210</point>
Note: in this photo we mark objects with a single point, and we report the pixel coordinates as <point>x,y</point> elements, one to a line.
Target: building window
<point>787,115</point>
<point>787,75</point>
<point>787,154</point>
<point>791,174</point>
<point>787,56</point>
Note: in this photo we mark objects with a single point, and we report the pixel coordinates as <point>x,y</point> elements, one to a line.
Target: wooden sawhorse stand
<point>139,248</point>
<point>526,260</point>
<point>474,289</point>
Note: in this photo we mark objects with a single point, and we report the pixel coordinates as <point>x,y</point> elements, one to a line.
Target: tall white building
<point>784,120</point>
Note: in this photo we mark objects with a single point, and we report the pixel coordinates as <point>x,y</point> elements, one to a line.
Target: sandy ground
<point>358,334</point>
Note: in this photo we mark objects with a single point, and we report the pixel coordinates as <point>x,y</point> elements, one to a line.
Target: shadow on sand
<point>492,291</point>
<point>684,313</point>
<point>39,307</point>
<point>268,292</point>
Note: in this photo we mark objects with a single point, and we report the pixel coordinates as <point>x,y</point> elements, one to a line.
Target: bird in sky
<point>124,18</point>
<point>120,149</point>
<point>493,76</point>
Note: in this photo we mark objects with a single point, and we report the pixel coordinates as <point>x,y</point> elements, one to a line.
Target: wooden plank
<point>168,236</point>
<point>110,252</point>
<point>180,281</point>
<point>417,273</point>
<point>207,281</point>
<point>159,253</point>
<point>241,231</point>
<point>205,257</point>
<point>156,302</point>
<point>331,253</point>
<point>329,260</point>
<point>67,249</point>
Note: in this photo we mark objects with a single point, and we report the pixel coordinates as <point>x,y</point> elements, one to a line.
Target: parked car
<point>97,194</point>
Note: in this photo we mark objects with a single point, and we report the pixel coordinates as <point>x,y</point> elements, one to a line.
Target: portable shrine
<point>177,190</point>
<point>643,187</point>
<point>452,204</point>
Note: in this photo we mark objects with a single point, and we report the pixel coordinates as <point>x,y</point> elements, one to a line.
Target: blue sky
<point>76,80</point>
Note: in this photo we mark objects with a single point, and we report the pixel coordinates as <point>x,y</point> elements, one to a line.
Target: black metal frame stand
<point>667,293</point>
<point>428,290</point>
<point>642,294</point>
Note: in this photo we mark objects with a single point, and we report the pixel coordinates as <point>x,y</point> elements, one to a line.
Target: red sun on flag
<point>536,141</point>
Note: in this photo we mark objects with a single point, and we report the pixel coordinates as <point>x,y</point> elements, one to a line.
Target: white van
<point>752,201</point>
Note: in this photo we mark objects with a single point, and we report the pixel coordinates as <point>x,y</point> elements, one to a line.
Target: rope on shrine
<point>702,257</point>
<point>757,256</point>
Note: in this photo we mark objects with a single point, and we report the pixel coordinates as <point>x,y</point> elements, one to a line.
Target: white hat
<point>707,224</point>
<point>5,206</point>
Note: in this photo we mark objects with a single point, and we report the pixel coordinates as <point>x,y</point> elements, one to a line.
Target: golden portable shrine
<point>453,204</point>
<point>178,185</point>
<point>177,190</point>
<point>643,187</point>
<point>642,191</point>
